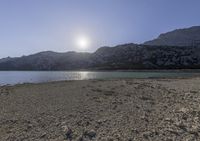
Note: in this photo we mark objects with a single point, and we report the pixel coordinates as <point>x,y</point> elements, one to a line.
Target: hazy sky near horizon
<point>30,26</point>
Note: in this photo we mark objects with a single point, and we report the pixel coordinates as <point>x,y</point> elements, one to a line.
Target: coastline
<point>116,109</point>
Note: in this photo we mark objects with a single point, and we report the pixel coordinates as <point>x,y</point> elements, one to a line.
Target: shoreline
<point>114,109</point>
<point>100,79</point>
<point>106,79</point>
<point>110,70</point>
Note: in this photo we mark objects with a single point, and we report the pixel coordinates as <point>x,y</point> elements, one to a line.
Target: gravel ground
<point>102,110</point>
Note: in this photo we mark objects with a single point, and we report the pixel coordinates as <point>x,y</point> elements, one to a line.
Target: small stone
<point>130,139</point>
<point>110,139</point>
<point>29,126</point>
<point>43,135</point>
<point>80,139</point>
<point>147,134</point>
<point>68,134</point>
<point>168,120</point>
<point>183,110</point>
<point>135,131</point>
<point>193,91</point>
<point>64,128</point>
<point>99,121</point>
<point>182,126</point>
<point>91,134</point>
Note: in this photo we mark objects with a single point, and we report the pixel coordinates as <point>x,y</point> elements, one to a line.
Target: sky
<point>30,26</point>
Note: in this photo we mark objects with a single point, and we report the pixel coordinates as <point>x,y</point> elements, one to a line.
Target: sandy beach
<point>102,110</point>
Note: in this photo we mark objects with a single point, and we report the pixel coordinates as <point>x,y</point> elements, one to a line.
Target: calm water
<point>15,77</point>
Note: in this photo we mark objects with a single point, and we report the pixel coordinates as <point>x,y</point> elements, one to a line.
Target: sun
<point>83,42</point>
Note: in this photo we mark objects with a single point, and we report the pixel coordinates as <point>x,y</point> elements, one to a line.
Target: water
<point>16,77</point>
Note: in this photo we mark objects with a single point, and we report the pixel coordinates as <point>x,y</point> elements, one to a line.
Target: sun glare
<point>83,43</point>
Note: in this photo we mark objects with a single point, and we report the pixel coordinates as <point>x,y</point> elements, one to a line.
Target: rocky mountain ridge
<point>128,56</point>
<point>172,50</point>
<point>179,37</point>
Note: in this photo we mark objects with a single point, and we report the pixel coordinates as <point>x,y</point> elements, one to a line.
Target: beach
<point>102,110</point>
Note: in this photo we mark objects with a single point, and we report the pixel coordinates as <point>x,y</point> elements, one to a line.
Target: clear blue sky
<point>30,26</point>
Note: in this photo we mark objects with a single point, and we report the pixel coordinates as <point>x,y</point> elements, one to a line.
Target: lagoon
<point>19,77</point>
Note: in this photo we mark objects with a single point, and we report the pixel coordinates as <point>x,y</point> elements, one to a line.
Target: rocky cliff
<point>179,37</point>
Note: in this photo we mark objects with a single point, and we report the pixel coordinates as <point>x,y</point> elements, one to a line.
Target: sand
<point>103,110</point>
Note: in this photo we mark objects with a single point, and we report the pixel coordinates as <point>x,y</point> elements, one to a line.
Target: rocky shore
<point>102,110</point>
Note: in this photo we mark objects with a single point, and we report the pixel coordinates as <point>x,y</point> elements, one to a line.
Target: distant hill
<point>46,61</point>
<point>128,56</point>
<point>180,37</point>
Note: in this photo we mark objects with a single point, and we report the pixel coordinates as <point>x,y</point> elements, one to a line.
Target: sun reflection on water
<point>84,75</point>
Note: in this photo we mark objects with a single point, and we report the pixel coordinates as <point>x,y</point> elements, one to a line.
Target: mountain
<point>46,61</point>
<point>127,56</point>
<point>180,37</point>
<point>132,56</point>
<point>178,49</point>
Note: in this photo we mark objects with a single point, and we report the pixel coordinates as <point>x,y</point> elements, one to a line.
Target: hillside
<point>46,61</point>
<point>128,56</point>
<point>179,37</point>
<point>178,49</point>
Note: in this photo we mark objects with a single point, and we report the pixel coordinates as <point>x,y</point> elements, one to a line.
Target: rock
<point>168,120</point>
<point>110,139</point>
<point>193,91</point>
<point>43,135</point>
<point>182,126</point>
<point>171,131</point>
<point>68,134</point>
<point>91,134</point>
<point>80,139</point>
<point>149,134</point>
<point>29,126</point>
<point>183,110</point>
<point>146,135</point>
<point>145,98</point>
<point>64,128</point>
<point>135,131</point>
<point>101,121</point>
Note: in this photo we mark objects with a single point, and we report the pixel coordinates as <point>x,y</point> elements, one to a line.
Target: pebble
<point>183,110</point>
<point>91,134</point>
<point>68,134</point>
<point>43,135</point>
